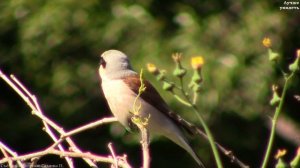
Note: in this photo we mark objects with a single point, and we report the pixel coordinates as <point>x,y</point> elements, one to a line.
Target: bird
<point>120,85</point>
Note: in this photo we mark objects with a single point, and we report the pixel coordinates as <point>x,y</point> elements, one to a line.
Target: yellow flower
<point>298,151</point>
<point>152,68</point>
<point>298,53</point>
<point>267,42</point>
<point>280,153</point>
<point>197,62</point>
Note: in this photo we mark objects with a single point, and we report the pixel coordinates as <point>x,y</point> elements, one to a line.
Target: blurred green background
<point>53,47</point>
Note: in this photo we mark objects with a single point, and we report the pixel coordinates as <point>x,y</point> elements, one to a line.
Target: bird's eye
<point>102,62</point>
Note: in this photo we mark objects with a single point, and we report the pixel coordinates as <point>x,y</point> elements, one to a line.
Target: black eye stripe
<point>102,62</point>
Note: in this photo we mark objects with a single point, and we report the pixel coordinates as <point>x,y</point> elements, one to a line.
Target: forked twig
<point>49,127</point>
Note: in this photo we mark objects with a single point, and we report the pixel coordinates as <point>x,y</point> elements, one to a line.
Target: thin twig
<point>87,155</point>
<point>5,154</point>
<point>34,162</point>
<point>110,147</point>
<point>84,128</point>
<point>226,152</point>
<point>32,102</point>
<point>90,126</point>
<point>12,153</point>
<point>145,146</point>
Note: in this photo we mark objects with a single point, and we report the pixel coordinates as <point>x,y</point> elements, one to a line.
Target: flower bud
<point>281,164</point>
<point>279,156</point>
<point>273,56</point>
<point>295,65</point>
<point>197,77</point>
<point>295,163</point>
<point>275,98</point>
<point>197,88</point>
<point>161,76</point>
<point>179,71</point>
<point>168,86</point>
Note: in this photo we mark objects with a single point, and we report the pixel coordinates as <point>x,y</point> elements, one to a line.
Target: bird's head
<point>114,64</point>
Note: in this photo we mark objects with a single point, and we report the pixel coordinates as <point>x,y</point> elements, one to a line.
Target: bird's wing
<point>151,96</point>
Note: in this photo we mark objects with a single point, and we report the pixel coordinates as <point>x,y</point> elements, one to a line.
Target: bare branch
<point>90,125</point>
<point>32,102</point>
<point>226,152</point>
<point>113,155</point>
<point>145,146</point>
<point>49,127</point>
<point>87,155</point>
<point>11,152</point>
<point>10,162</point>
<point>84,128</point>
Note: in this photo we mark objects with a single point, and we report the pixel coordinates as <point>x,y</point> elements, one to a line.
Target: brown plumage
<point>153,97</point>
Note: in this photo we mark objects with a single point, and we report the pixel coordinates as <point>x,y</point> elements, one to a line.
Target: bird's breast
<point>120,99</point>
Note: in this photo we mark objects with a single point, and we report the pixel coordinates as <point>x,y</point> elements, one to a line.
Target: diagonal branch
<point>49,127</point>
<point>91,125</point>
<point>97,158</point>
<point>5,150</point>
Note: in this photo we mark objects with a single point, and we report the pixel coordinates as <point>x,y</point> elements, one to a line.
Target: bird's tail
<point>181,141</point>
<point>194,130</point>
<point>196,158</point>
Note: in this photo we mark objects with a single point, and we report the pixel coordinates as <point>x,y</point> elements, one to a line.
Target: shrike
<point>120,85</point>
